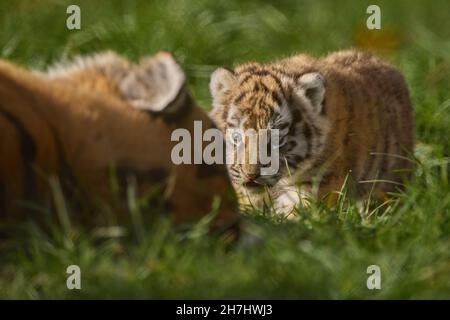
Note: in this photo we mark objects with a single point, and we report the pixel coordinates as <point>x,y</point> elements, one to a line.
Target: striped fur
<point>344,115</point>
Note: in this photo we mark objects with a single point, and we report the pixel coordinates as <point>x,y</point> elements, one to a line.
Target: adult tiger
<point>99,116</point>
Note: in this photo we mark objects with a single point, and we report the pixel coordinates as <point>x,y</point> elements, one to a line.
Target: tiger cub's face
<point>256,97</point>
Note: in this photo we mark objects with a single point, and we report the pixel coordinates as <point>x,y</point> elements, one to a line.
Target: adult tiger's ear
<point>222,80</point>
<point>157,84</point>
<point>312,87</point>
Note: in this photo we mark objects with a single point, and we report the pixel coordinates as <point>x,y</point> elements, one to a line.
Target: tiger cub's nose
<point>252,176</point>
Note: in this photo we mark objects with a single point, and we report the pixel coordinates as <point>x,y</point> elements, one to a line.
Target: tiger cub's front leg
<point>287,196</point>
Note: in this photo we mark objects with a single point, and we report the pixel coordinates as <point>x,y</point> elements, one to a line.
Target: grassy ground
<point>323,255</point>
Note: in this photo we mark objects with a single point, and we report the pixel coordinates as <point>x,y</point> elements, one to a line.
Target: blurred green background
<point>326,253</point>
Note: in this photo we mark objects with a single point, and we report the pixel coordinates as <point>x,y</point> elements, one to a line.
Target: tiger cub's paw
<point>286,204</point>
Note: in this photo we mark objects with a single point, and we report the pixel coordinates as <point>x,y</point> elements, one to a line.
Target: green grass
<point>323,255</point>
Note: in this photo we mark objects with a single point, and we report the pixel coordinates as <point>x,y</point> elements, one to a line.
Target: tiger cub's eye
<point>236,138</point>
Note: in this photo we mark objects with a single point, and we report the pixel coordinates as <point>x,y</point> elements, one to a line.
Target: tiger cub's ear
<point>222,80</point>
<point>157,84</point>
<point>312,87</point>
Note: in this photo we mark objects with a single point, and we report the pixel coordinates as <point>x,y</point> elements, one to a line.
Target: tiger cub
<point>343,118</point>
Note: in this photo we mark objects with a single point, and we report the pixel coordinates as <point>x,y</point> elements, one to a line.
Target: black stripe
<point>296,116</point>
<point>298,158</point>
<point>228,69</point>
<point>262,73</point>
<point>276,98</point>
<point>241,96</point>
<point>309,135</point>
<point>323,112</point>
<point>283,126</point>
<point>2,199</point>
<point>246,78</point>
<point>248,69</point>
<point>263,87</point>
<point>28,150</point>
<point>307,131</point>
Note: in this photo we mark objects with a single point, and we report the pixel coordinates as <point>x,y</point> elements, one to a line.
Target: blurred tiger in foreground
<point>82,124</point>
<point>343,119</point>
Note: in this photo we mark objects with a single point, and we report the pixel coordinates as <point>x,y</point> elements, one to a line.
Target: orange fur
<point>78,125</point>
